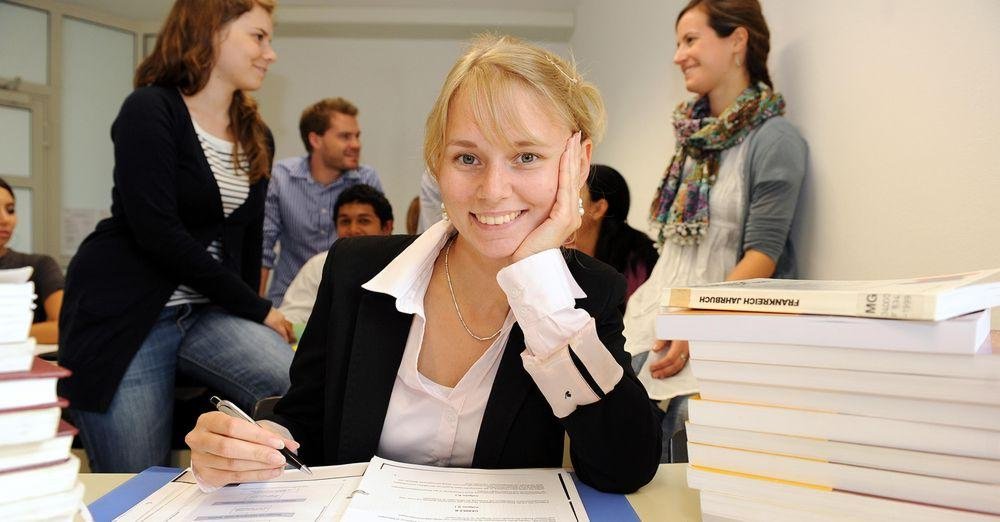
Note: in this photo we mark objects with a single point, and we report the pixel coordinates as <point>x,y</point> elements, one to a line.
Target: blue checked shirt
<point>299,215</point>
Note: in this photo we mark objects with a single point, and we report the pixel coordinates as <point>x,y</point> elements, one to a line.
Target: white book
<point>925,298</point>
<point>965,334</point>
<point>31,424</point>
<point>957,494</point>
<point>965,414</point>
<point>984,364</point>
<point>917,436</point>
<point>17,356</point>
<point>55,506</point>
<point>15,276</point>
<point>16,291</point>
<point>39,481</point>
<point>49,450</point>
<point>762,491</point>
<point>878,457</point>
<point>16,326</point>
<point>30,388</point>
<point>949,389</point>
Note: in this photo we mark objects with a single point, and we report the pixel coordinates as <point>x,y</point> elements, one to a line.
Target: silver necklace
<point>447,276</point>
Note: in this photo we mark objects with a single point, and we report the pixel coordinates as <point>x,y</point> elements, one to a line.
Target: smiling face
<point>340,146</point>
<point>496,193</point>
<point>8,218</point>
<point>705,59</point>
<point>244,50</point>
<point>359,219</point>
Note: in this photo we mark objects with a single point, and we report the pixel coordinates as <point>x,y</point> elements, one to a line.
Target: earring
<point>739,61</point>
<point>444,212</point>
<point>579,206</point>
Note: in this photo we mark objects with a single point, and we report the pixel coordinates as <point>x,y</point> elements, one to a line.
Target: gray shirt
<point>775,168</point>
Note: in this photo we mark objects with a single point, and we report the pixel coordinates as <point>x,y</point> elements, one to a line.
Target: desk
<point>667,497</point>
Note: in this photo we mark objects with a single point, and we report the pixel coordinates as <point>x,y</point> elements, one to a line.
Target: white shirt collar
<point>407,276</point>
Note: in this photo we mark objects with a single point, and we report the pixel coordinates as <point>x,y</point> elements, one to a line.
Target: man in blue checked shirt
<point>298,214</point>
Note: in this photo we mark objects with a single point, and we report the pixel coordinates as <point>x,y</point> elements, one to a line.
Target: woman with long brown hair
<point>725,207</point>
<point>166,285</point>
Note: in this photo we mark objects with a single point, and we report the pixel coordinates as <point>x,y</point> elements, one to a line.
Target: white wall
<point>393,82</point>
<point>626,49</point>
<point>897,99</point>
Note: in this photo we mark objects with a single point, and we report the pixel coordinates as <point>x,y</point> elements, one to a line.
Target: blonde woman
<point>480,342</point>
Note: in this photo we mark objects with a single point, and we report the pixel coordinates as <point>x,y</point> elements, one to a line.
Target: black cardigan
<point>165,211</point>
<point>345,367</point>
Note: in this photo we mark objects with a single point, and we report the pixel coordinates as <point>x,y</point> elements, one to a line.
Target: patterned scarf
<point>681,208</point>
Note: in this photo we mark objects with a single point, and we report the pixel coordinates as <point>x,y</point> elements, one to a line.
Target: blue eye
<point>467,159</point>
<point>527,157</point>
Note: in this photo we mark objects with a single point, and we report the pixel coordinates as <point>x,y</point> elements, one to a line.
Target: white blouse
<point>683,265</point>
<point>427,423</point>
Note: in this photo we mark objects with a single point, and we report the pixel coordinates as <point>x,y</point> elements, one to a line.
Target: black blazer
<point>165,211</point>
<point>345,367</point>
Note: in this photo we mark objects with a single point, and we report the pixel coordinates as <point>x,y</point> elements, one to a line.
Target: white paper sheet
<point>293,497</point>
<point>408,492</point>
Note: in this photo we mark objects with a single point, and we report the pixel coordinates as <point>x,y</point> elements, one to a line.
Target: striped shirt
<point>233,188</point>
<point>298,214</point>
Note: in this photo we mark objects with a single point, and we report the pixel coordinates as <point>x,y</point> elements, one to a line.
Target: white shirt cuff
<point>542,292</point>
<point>559,380</point>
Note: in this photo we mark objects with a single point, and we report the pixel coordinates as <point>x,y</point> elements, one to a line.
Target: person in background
<point>727,201</point>
<point>168,284</point>
<point>46,275</point>
<point>604,233</point>
<point>453,348</point>
<point>303,190</point>
<point>360,211</point>
<point>413,216</point>
<point>430,202</point>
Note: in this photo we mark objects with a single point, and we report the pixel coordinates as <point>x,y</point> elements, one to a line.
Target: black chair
<point>264,407</point>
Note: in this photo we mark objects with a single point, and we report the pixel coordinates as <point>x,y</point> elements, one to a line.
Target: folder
<point>599,505</point>
<point>122,498</point>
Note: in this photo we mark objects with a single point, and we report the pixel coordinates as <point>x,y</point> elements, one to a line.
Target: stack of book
<point>885,408</point>
<point>38,474</point>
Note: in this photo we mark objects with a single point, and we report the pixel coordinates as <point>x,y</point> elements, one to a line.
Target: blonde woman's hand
<point>564,218</point>
<point>671,362</point>
<point>227,450</point>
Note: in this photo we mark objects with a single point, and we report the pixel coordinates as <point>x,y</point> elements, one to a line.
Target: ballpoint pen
<point>234,411</point>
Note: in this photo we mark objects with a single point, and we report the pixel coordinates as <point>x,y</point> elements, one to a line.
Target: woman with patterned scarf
<point>727,200</point>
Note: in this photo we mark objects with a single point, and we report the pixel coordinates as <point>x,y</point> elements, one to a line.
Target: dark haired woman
<point>45,273</point>
<point>166,285</point>
<point>605,235</point>
<point>726,203</point>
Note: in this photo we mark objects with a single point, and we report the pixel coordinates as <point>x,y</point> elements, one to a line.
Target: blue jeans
<point>672,420</point>
<point>242,360</point>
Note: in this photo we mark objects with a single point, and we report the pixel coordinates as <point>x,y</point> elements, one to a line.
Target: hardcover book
<point>924,298</point>
<point>965,334</point>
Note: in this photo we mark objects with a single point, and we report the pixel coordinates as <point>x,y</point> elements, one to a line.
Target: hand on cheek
<point>564,218</point>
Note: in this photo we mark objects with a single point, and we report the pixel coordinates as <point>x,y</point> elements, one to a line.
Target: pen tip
<point>306,469</point>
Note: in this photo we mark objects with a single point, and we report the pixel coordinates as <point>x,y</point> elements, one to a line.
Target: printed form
<point>409,492</point>
<point>292,497</point>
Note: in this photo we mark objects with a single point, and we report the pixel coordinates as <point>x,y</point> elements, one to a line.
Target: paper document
<point>681,383</point>
<point>16,275</point>
<point>396,491</point>
<point>293,497</point>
